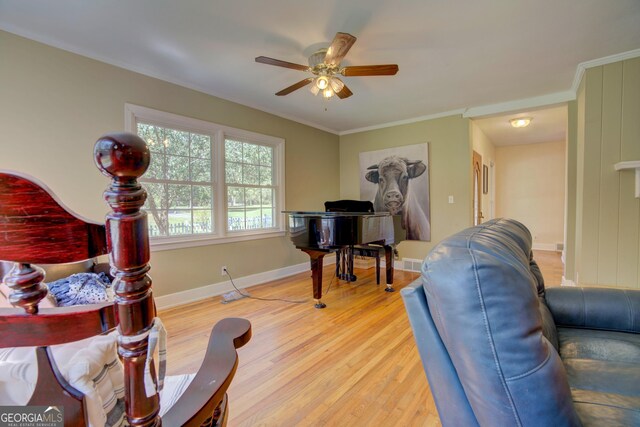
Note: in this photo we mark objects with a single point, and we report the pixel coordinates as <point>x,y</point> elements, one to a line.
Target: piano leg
<point>388,259</point>
<point>316,275</point>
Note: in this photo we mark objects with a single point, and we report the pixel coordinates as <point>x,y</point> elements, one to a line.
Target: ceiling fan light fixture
<point>314,89</point>
<point>327,93</point>
<point>337,85</point>
<point>521,122</point>
<point>322,82</point>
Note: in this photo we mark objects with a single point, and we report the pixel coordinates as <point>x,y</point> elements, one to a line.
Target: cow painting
<point>392,176</point>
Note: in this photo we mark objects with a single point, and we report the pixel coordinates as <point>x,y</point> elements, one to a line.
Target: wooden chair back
<point>36,228</point>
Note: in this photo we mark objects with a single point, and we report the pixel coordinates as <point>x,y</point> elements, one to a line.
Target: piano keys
<point>320,233</point>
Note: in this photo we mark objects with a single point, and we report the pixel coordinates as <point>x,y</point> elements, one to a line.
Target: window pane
<point>177,142</point>
<point>252,202</point>
<point>179,222</point>
<point>266,155</point>
<point>153,136</point>
<point>267,218</point>
<point>202,196</point>
<point>154,230</point>
<point>156,168</point>
<point>233,173</point>
<point>179,196</point>
<point>200,146</point>
<point>250,174</point>
<point>267,197</point>
<point>178,168</point>
<point>202,221</point>
<point>266,175</point>
<point>155,196</point>
<point>232,151</point>
<point>235,208</point>
<point>201,170</point>
<point>251,153</point>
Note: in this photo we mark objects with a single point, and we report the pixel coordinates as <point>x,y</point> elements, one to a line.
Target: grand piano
<point>320,233</point>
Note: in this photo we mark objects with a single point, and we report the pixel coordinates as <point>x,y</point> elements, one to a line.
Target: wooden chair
<point>35,228</point>
<point>344,257</point>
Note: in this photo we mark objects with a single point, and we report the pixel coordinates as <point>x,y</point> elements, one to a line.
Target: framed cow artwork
<point>396,180</point>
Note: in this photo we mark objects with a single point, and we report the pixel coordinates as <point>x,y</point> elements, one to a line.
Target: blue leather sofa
<point>500,350</point>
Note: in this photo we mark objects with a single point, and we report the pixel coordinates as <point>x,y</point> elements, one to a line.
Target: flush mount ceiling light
<point>325,67</point>
<point>521,122</point>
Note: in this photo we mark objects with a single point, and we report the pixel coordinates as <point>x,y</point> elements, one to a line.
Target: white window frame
<point>218,133</point>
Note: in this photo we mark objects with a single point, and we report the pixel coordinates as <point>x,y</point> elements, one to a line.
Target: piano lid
<point>328,230</point>
<point>333,214</point>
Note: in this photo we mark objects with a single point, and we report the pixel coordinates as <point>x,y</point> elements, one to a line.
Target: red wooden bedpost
<point>124,157</point>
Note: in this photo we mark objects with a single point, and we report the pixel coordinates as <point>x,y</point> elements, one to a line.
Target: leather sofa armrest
<point>595,308</point>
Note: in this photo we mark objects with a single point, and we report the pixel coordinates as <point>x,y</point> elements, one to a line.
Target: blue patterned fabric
<point>81,288</point>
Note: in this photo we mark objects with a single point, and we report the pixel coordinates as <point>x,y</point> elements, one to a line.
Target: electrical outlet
<point>223,270</point>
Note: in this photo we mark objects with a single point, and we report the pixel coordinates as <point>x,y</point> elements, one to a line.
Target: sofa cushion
<point>601,345</point>
<point>602,367</point>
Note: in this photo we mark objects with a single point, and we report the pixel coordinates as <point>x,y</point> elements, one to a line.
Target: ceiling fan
<point>325,66</point>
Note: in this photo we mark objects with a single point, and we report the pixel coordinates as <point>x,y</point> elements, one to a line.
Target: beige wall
<point>483,146</point>
<point>449,172</point>
<point>55,104</point>
<point>530,188</point>
<point>607,213</point>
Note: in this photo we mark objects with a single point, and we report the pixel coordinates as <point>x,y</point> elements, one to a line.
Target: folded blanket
<point>91,366</point>
<point>82,288</point>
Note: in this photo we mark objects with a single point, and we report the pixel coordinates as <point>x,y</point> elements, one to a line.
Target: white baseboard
<point>545,247</point>
<point>192,295</point>
<point>208,291</point>
<point>567,282</point>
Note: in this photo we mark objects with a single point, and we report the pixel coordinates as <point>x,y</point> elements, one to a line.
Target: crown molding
<point>582,67</point>
<point>520,104</point>
<point>404,122</point>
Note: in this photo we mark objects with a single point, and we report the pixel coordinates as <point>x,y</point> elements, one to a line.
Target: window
<point>208,183</point>
<point>249,185</point>
<point>178,182</point>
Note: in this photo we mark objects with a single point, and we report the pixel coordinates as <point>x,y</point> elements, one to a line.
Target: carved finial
<point>122,156</point>
<point>25,281</point>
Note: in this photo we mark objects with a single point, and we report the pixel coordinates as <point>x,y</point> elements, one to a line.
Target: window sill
<point>169,243</point>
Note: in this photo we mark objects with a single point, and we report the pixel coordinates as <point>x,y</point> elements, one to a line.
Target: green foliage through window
<point>178,182</point>
<point>181,187</point>
<point>249,182</point>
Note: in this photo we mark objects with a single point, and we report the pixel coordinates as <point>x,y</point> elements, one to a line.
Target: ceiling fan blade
<point>370,70</point>
<point>340,45</point>
<point>279,63</point>
<point>301,83</point>
<point>345,92</point>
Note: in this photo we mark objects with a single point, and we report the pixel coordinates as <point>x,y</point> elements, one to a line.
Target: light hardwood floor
<point>353,363</point>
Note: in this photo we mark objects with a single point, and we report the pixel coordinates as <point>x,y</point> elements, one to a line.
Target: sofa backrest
<point>484,297</point>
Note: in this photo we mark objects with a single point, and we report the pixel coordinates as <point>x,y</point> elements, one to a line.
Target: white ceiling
<point>453,55</point>
<point>547,125</point>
